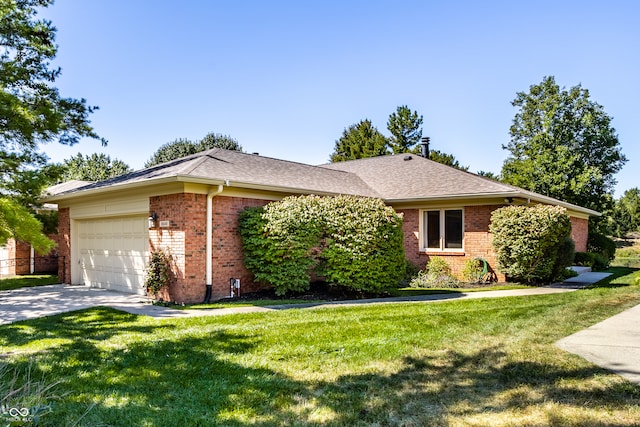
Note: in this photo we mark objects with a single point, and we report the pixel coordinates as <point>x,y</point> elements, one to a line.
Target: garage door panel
<point>114,253</point>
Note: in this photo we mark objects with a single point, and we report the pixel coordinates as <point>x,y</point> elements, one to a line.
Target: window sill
<point>443,253</point>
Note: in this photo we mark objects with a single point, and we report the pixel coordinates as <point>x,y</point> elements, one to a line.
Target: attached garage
<point>113,252</point>
<point>4,260</point>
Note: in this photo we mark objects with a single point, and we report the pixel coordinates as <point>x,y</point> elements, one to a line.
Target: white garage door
<point>114,253</point>
<point>4,260</point>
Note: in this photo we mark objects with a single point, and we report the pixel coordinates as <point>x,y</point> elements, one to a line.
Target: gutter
<point>213,191</point>
<point>515,194</point>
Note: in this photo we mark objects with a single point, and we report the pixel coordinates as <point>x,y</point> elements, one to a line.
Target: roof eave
<point>494,195</point>
<point>128,186</point>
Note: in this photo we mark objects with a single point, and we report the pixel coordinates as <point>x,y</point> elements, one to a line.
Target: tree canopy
<point>405,127</point>
<point>446,159</point>
<point>94,167</point>
<point>563,146</point>
<point>182,147</point>
<point>626,213</point>
<point>359,141</point>
<point>363,140</point>
<point>32,111</point>
<point>16,221</point>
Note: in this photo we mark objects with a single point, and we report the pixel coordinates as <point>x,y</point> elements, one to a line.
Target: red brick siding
<point>580,233</point>
<point>22,257</point>
<point>227,245</point>
<point>185,240</point>
<point>18,258</point>
<point>64,246</point>
<point>477,239</point>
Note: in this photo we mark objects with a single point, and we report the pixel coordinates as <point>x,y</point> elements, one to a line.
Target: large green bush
<point>601,244</point>
<point>354,242</point>
<point>527,240</point>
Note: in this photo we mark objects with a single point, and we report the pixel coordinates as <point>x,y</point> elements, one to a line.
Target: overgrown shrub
<point>354,242</point>
<point>601,244</point>
<point>566,255</point>
<point>527,240</point>
<point>591,259</point>
<point>158,273</point>
<point>437,274</point>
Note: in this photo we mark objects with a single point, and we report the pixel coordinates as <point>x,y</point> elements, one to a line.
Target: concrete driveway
<point>40,301</point>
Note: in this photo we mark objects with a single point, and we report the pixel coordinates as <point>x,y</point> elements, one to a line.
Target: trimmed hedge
<point>527,241</point>
<point>354,242</point>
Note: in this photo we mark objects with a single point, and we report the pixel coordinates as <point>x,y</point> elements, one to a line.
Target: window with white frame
<point>442,229</point>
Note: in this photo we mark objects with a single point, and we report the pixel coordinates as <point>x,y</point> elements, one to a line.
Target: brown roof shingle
<point>394,178</point>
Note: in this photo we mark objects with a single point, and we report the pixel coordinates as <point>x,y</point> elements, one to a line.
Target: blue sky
<point>285,78</point>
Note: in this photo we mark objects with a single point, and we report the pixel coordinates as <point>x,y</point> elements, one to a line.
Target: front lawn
<point>11,283</point>
<point>468,362</point>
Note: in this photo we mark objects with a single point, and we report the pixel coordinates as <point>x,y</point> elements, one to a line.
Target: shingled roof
<point>240,170</point>
<point>394,178</point>
<point>408,176</point>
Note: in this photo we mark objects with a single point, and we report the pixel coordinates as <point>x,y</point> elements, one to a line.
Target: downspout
<point>209,262</point>
<point>32,261</point>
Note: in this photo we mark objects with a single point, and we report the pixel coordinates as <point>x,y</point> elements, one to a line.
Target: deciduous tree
<point>563,145</point>
<point>626,213</point>
<point>94,167</point>
<point>182,147</point>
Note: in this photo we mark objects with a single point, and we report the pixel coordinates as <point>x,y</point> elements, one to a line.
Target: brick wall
<point>227,245</point>
<point>18,260</point>
<point>64,246</point>
<point>477,239</point>
<point>185,241</point>
<point>580,233</point>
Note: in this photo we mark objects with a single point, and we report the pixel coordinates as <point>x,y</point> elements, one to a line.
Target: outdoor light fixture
<point>508,200</point>
<point>153,219</point>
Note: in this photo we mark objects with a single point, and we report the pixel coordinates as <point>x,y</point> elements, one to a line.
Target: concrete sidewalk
<point>613,344</point>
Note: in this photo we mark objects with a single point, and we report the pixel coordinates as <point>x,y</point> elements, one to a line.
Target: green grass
<point>467,362</point>
<point>241,303</point>
<point>11,283</point>
<point>395,293</point>
<point>431,291</point>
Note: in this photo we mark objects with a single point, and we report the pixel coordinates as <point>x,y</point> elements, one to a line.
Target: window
<point>443,229</point>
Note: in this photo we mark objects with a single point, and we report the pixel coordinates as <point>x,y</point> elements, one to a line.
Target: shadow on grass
<point>620,276</point>
<point>220,377</point>
<point>431,391</point>
<point>96,324</point>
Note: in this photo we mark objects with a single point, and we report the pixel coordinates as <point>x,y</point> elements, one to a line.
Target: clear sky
<point>285,78</point>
